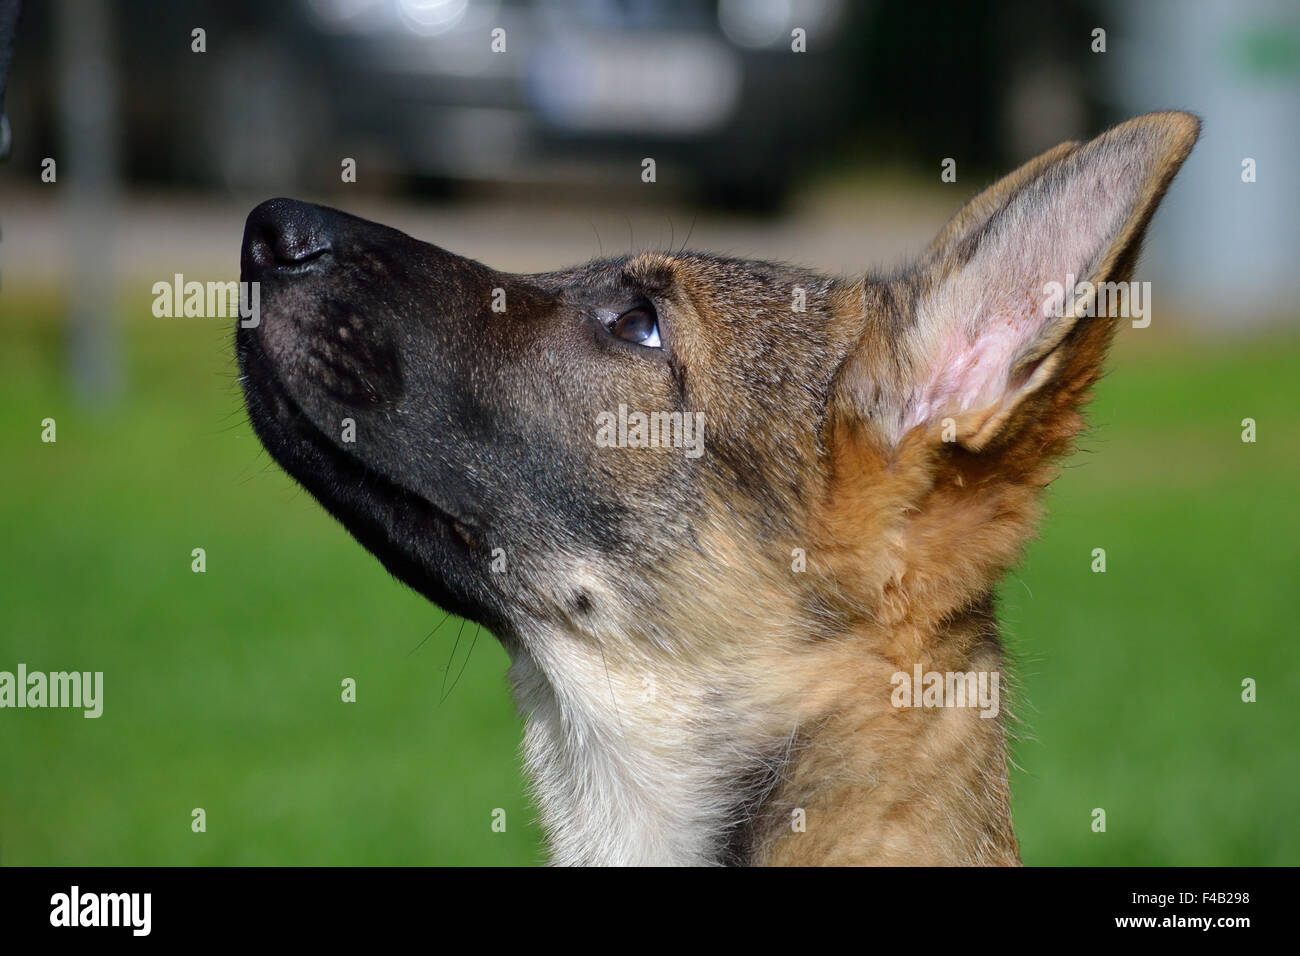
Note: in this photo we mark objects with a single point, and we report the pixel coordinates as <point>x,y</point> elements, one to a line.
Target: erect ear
<point>988,335</point>
<point>975,214</point>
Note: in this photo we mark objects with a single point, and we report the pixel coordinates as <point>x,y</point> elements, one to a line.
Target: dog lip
<point>259,373</point>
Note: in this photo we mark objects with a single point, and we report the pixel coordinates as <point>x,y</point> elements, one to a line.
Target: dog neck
<point>911,774</point>
<point>633,765</point>
<point>781,757</point>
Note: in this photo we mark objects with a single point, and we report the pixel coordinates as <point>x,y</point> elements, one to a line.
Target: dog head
<point>620,448</point>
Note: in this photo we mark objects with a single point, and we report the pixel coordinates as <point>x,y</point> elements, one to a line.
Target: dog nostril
<point>258,251</point>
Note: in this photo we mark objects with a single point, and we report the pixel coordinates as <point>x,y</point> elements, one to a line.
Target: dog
<point>713,651</point>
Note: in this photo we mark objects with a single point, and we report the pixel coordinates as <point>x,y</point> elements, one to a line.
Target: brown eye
<point>639,325</point>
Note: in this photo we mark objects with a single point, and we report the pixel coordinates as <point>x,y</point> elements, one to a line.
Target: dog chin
<point>419,543</point>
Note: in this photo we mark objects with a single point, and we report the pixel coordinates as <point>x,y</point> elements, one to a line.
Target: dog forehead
<point>606,279</point>
<point>655,273</point>
<point>666,275</point>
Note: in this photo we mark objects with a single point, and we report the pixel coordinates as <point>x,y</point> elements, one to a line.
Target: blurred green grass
<point>222,690</point>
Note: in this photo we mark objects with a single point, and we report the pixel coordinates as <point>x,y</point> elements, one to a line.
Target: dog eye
<point>639,325</point>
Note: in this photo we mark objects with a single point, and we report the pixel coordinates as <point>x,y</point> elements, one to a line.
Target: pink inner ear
<point>966,374</point>
<point>995,307</point>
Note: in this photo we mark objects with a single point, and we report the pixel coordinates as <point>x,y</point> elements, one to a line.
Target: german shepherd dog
<point>711,648</point>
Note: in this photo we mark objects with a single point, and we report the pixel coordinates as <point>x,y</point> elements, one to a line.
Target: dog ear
<point>975,214</point>
<point>977,344</point>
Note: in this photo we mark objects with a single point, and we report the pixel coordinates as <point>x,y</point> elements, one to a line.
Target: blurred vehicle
<point>581,91</point>
<point>529,91</point>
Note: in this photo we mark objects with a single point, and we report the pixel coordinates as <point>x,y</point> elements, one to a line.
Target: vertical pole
<point>87,98</point>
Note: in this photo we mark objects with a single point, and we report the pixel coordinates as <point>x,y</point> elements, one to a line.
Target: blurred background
<point>222,688</point>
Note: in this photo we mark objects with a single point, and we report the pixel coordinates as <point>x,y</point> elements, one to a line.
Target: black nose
<point>284,235</point>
